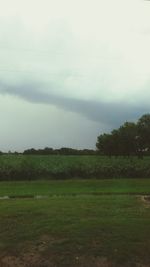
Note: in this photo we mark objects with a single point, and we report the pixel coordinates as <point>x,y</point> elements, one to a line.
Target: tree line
<point>129,139</point>
<point>61,151</point>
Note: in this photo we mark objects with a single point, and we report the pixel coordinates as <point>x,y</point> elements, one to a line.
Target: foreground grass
<point>79,229</point>
<point>76,230</point>
<point>70,187</point>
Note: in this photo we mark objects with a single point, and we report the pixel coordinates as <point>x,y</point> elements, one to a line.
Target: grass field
<point>77,225</point>
<point>21,167</point>
<point>75,187</point>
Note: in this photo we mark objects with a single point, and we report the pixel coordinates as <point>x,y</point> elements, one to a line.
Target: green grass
<point>21,167</point>
<point>77,230</point>
<point>65,187</point>
<point>115,227</point>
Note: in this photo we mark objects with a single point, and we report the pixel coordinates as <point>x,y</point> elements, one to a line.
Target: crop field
<point>85,223</point>
<point>21,167</point>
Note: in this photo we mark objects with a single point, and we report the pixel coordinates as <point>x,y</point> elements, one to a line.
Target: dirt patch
<point>26,260</point>
<point>41,255</point>
<point>92,262</point>
<point>35,260</point>
<point>31,256</point>
<point>146,200</point>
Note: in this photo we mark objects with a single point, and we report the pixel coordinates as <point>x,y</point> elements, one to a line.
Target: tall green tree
<point>143,125</point>
<point>105,144</point>
<point>127,139</point>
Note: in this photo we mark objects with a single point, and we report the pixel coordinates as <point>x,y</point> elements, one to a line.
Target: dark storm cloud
<point>112,113</point>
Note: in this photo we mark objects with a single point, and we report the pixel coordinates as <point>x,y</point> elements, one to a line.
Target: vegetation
<point>75,230</point>
<point>61,151</point>
<point>33,167</point>
<point>75,187</point>
<point>130,139</point>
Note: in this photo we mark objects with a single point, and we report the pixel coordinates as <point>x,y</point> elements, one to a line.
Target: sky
<point>71,70</point>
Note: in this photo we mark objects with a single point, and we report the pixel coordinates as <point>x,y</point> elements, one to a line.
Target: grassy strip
<point>114,227</point>
<point>76,187</point>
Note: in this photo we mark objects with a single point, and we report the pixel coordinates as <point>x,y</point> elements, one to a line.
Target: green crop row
<point>20,167</point>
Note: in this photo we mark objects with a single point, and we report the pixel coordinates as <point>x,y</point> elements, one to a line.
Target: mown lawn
<point>76,186</point>
<point>75,230</point>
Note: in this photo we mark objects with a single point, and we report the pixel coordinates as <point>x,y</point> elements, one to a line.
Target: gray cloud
<point>112,113</point>
<point>88,74</point>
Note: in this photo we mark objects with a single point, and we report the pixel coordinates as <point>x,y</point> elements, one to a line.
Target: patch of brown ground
<point>146,200</point>
<point>34,256</point>
<point>35,260</point>
<point>27,260</point>
<point>30,257</point>
<point>30,260</point>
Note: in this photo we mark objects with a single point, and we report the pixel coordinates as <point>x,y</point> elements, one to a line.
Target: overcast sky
<point>71,70</point>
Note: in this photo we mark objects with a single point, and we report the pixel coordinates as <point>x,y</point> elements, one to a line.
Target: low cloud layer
<point>110,113</point>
